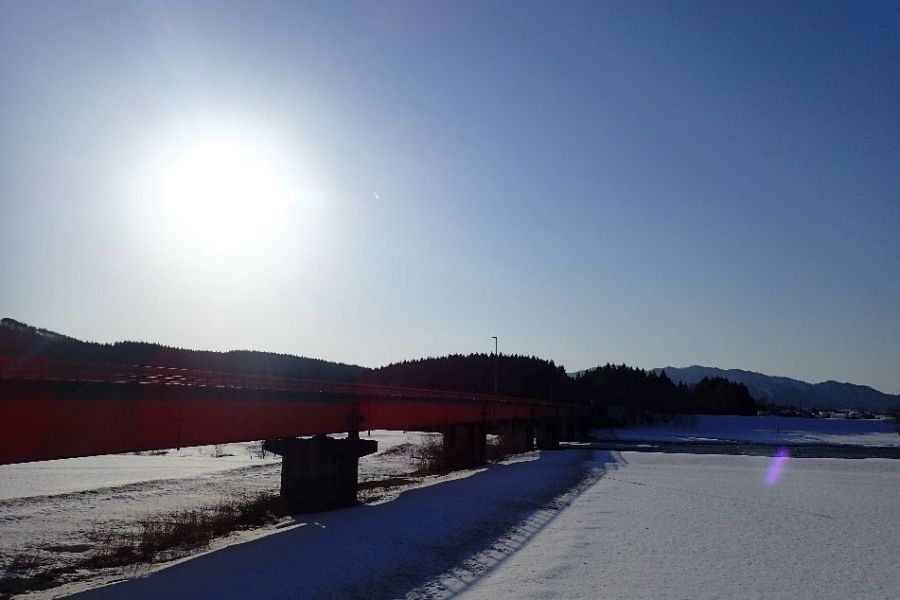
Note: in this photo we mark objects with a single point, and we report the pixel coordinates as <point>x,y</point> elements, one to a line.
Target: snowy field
<point>52,477</point>
<point>71,475</point>
<point>766,430</point>
<point>709,526</point>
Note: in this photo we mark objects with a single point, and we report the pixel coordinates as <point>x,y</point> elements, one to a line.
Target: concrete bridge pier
<point>465,446</point>
<point>569,430</point>
<point>319,473</point>
<point>516,436</point>
<point>549,431</point>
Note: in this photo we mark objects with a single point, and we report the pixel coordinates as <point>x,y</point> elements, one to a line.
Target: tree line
<point>24,340</point>
<point>616,393</point>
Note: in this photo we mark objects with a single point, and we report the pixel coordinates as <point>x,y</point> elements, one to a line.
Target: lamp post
<point>496,364</point>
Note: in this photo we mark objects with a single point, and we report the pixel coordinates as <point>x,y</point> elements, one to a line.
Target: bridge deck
<point>59,409</point>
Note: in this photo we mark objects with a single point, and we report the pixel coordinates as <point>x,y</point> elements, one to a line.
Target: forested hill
<point>620,392</point>
<point>24,340</point>
<point>784,391</point>
<point>614,391</point>
<point>526,376</point>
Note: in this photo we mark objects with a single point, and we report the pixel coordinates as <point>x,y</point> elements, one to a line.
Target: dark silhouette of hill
<point>526,376</point>
<point>784,391</point>
<point>24,340</point>
<point>621,394</point>
<point>617,392</point>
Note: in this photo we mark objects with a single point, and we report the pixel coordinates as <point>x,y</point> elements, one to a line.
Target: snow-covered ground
<point>53,509</point>
<point>415,544</point>
<point>708,526</point>
<point>581,524</point>
<point>769,430</point>
<point>71,475</point>
<point>577,523</point>
<point>51,477</point>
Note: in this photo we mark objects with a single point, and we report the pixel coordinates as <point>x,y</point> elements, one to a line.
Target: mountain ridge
<point>787,391</point>
<point>17,338</point>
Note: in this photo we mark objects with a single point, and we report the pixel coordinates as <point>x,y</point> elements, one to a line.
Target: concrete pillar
<point>548,433</point>
<point>575,430</point>
<point>319,473</point>
<point>569,430</point>
<point>532,434</point>
<point>515,436</point>
<point>465,446</point>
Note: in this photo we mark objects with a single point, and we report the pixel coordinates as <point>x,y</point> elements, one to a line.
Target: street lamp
<point>496,363</point>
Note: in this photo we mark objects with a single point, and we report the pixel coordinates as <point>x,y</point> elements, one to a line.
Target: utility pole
<point>496,364</point>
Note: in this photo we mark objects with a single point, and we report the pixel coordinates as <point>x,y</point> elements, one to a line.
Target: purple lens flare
<point>777,465</point>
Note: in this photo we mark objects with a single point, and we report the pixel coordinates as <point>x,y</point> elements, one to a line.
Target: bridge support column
<point>576,430</point>
<point>516,436</point>
<point>319,473</point>
<point>569,429</point>
<point>548,433</point>
<point>465,446</point>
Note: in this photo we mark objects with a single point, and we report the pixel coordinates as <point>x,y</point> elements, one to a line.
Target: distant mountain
<point>785,391</point>
<point>20,339</point>
<point>11,325</point>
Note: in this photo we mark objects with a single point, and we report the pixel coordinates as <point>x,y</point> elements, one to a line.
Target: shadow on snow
<point>430,542</point>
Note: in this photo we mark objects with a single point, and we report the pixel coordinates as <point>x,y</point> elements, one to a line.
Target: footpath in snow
<point>433,539</point>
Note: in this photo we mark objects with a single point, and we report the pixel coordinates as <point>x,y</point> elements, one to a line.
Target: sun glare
<point>223,192</point>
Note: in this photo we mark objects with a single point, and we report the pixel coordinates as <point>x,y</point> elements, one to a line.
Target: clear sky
<point>662,183</point>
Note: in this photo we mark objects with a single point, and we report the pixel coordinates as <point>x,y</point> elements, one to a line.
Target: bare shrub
<point>153,539</point>
<point>429,454</point>
<point>180,532</point>
<point>498,449</point>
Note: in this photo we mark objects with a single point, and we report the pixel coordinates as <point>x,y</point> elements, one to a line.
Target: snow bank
<point>769,430</point>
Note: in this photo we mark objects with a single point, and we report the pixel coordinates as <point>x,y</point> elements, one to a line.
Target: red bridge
<point>58,409</point>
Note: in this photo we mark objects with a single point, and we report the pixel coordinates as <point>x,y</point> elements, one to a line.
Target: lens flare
<point>777,465</point>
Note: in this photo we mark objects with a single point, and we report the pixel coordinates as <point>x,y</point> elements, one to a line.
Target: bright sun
<point>223,192</point>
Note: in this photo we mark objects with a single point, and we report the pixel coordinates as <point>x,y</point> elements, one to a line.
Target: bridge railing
<point>18,368</point>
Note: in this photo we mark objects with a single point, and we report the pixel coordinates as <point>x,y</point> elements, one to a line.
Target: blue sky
<point>649,183</point>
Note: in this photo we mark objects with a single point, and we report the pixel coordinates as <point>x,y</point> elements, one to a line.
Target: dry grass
<point>181,532</point>
<point>152,540</point>
<point>429,455</point>
<point>28,571</point>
